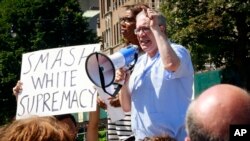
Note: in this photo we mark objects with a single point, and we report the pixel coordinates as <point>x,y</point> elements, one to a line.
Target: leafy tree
<point>35,25</point>
<point>215,31</point>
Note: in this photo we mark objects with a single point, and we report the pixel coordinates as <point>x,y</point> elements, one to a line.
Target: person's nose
<point>122,24</point>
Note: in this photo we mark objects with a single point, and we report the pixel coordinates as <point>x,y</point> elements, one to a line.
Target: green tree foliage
<point>35,25</point>
<point>215,31</point>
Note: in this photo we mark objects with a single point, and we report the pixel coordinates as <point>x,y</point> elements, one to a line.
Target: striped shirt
<point>119,130</point>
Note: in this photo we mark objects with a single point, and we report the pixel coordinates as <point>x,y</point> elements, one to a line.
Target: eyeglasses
<point>127,19</point>
<point>144,30</point>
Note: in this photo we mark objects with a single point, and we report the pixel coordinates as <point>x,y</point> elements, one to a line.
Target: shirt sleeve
<point>185,68</point>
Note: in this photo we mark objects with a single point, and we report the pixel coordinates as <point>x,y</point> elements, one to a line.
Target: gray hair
<point>162,20</point>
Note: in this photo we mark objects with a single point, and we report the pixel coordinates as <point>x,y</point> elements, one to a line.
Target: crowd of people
<point>156,95</point>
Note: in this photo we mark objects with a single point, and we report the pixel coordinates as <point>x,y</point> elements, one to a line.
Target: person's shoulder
<point>179,48</point>
<point>175,45</point>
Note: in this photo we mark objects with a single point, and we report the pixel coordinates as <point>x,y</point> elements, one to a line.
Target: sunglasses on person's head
<point>127,19</point>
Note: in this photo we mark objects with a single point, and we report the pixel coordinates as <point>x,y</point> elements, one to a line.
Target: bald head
<point>218,107</point>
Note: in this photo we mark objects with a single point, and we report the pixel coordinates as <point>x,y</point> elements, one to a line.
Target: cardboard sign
<point>55,82</point>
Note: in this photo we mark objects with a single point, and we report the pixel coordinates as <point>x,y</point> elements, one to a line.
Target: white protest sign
<point>55,82</point>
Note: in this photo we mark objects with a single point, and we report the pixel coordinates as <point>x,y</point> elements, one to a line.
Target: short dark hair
<point>159,138</point>
<point>70,116</point>
<point>136,8</point>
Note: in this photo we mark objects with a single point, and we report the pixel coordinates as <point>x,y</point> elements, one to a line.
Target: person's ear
<point>187,139</point>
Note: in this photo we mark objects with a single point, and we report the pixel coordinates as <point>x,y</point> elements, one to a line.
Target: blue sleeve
<point>185,68</point>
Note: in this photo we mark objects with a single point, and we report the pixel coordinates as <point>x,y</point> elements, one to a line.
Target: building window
<point>117,32</point>
<point>115,35</point>
<point>153,4</point>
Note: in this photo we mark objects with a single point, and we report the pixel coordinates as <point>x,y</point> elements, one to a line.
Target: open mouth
<point>123,30</point>
<point>144,42</point>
